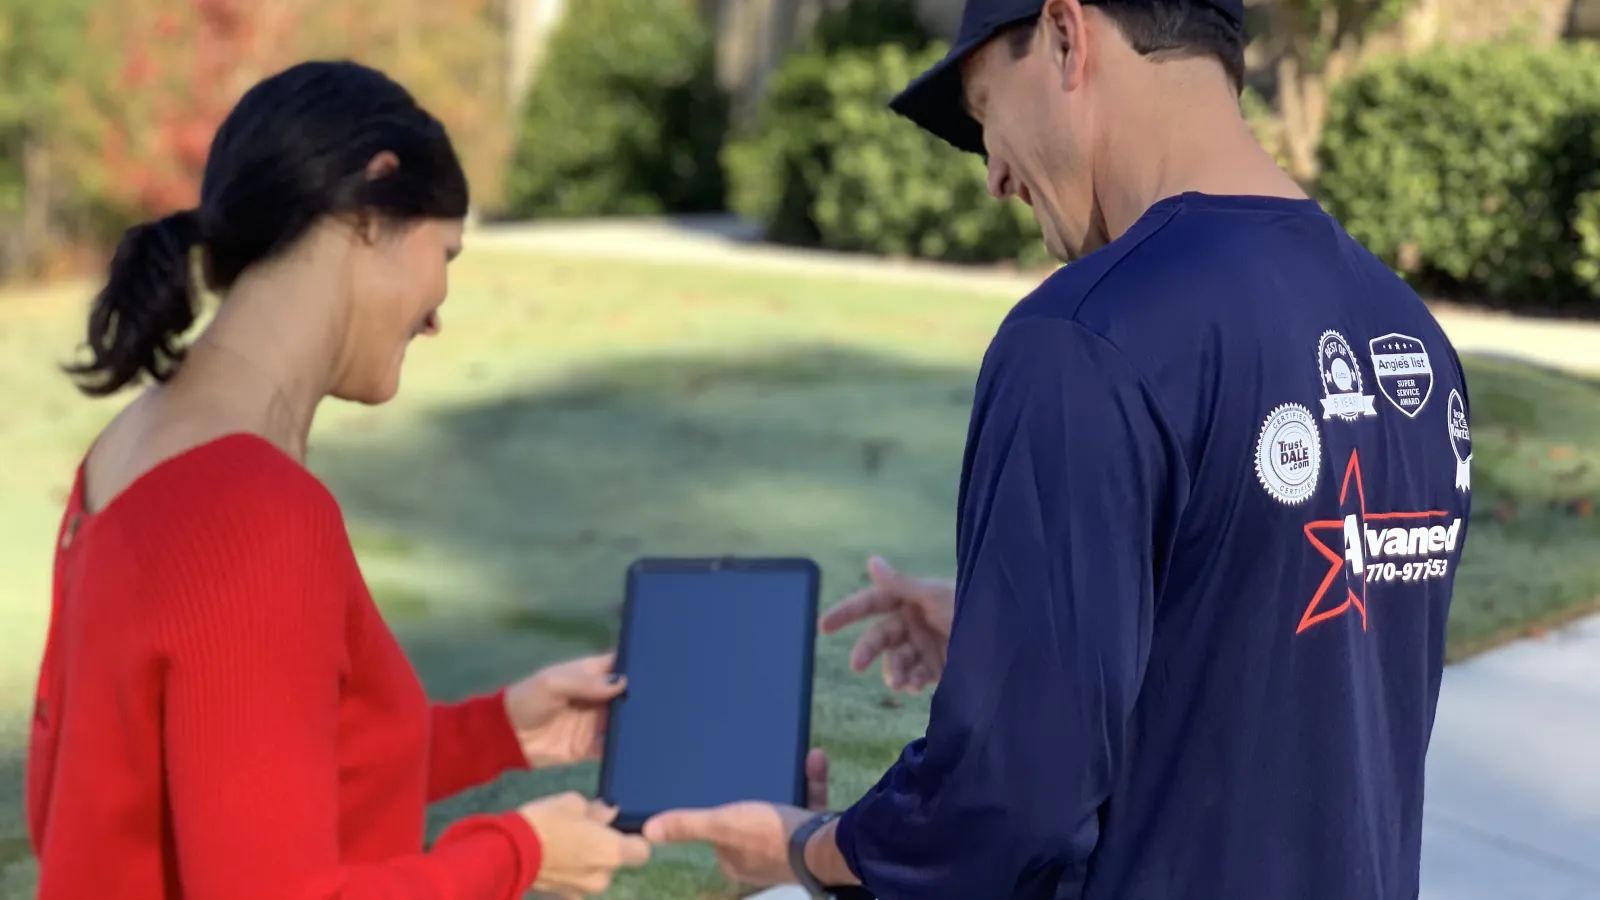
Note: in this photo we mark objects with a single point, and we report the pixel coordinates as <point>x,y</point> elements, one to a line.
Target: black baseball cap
<point>935,101</point>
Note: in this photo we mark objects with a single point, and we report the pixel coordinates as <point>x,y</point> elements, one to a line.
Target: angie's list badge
<point>1404,372</point>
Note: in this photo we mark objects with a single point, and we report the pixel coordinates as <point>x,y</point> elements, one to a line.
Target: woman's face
<point>398,283</point>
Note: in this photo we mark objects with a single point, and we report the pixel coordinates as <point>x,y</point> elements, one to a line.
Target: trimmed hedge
<point>1474,170</point>
<point>892,189</point>
<point>826,162</point>
<point>626,117</point>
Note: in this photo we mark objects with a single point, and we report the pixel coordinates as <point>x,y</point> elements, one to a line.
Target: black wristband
<point>797,853</point>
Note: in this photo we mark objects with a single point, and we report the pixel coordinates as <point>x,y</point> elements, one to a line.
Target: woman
<point>221,712</point>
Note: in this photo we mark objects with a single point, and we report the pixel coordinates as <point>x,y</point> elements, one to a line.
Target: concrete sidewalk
<point>1513,784</point>
<point>1513,792</point>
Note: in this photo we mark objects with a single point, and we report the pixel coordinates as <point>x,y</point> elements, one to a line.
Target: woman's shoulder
<point>238,489</point>
<point>228,547</point>
<point>235,533</point>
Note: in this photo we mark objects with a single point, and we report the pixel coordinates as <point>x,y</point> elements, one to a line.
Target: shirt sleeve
<point>471,743</point>
<point>254,618</point>
<point>1070,482</point>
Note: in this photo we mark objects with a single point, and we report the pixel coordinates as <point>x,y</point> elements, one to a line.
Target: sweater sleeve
<point>1070,477</point>
<point>471,743</point>
<point>254,627</point>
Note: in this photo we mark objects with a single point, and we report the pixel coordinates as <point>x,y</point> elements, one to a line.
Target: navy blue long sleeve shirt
<point>1215,489</point>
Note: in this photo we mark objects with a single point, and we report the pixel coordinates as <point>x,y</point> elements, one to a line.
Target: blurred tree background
<point>107,107</point>
<point>41,50</point>
<point>774,110</point>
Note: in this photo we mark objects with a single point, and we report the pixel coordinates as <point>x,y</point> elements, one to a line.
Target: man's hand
<point>817,781</point>
<point>912,631</point>
<point>559,713</point>
<point>751,840</point>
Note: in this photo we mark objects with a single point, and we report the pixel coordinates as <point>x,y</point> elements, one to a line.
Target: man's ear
<point>1065,25</point>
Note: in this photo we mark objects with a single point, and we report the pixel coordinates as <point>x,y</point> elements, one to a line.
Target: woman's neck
<point>268,357</point>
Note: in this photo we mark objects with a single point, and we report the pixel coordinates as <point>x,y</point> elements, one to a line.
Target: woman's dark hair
<point>296,148</point>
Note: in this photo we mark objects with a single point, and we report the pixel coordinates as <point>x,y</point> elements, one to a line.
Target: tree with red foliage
<point>173,70</point>
<point>164,73</point>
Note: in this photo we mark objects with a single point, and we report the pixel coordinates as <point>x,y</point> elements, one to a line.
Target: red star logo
<point>1355,592</point>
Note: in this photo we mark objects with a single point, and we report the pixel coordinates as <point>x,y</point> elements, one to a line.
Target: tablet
<point>718,654</point>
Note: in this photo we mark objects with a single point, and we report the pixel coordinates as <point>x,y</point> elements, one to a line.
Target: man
<point>1215,491</point>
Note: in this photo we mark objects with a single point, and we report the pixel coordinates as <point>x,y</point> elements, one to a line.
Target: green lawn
<point>577,414</point>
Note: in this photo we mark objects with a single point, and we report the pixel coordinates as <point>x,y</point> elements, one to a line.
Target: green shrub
<point>869,24</point>
<point>774,168</point>
<point>829,163</point>
<point>890,188</point>
<point>1586,226</point>
<point>625,118</point>
<point>1464,168</point>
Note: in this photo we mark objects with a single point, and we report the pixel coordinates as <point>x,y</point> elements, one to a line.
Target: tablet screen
<point>719,687</point>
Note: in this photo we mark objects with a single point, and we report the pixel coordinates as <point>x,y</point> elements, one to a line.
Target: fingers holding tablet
<point>559,713</point>
<point>632,851</point>
<point>588,679</point>
<point>817,780</point>
<point>581,850</point>
<point>750,839</point>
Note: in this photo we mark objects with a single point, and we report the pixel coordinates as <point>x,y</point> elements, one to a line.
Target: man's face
<point>1038,124</point>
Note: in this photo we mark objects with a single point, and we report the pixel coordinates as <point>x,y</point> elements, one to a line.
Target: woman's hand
<point>559,713</point>
<point>581,852</point>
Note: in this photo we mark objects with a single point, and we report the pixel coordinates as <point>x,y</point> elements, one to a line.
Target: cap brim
<point>936,102</point>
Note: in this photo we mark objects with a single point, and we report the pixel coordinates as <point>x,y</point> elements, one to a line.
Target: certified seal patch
<point>1289,454</point>
<point>1341,380</point>
<point>1460,439</point>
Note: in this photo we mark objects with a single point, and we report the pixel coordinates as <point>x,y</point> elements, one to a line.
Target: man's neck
<point>1194,141</point>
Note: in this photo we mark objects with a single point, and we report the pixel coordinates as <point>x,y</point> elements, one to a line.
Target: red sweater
<point>222,712</point>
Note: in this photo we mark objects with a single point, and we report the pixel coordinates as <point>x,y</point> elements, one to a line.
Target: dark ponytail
<point>147,305</point>
<point>294,150</point>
